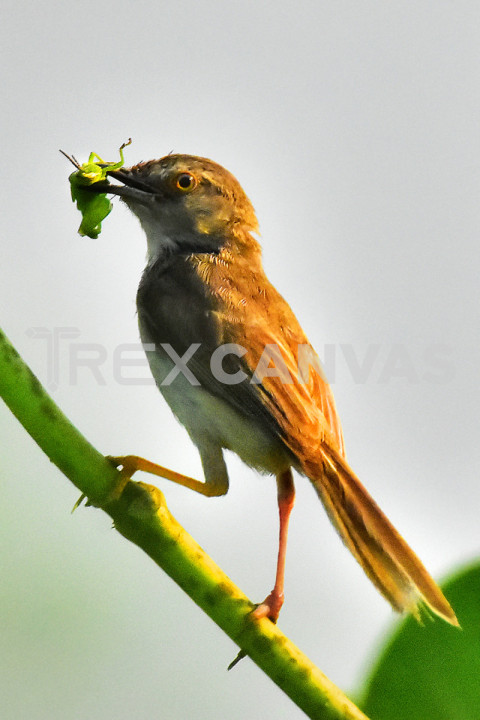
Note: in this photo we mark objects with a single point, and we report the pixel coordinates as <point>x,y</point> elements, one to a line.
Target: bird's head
<point>185,204</point>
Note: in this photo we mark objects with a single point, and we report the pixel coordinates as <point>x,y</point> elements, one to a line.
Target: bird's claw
<point>270,607</point>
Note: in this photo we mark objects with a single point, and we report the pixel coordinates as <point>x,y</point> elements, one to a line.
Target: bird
<point>233,363</point>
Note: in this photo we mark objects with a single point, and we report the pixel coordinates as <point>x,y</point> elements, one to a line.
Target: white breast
<point>209,419</point>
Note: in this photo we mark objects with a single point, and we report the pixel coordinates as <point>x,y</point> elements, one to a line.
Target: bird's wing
<point>286,374</point>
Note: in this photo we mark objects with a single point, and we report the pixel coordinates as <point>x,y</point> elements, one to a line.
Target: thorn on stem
<point>78,503</point>
<point>239,657</point>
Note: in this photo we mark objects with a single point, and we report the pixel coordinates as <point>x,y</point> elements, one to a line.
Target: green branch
<point>140,514</point>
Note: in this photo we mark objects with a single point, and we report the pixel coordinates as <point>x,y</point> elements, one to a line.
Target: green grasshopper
<point>94,206</point>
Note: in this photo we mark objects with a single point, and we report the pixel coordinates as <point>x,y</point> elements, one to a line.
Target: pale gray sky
<point>354,128</point>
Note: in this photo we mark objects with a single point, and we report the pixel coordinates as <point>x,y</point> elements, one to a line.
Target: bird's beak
<point>131,189</point>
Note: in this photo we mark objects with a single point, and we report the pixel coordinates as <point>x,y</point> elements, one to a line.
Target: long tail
<point>382,552</point>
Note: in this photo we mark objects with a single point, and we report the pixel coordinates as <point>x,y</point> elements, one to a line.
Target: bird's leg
<point>130,464</point>
<point>272,604</point>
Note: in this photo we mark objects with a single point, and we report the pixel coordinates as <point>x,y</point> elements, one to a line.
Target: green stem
<point>140,514</point>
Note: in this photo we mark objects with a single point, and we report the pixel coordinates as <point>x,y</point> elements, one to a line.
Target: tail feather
<point>382,552</point>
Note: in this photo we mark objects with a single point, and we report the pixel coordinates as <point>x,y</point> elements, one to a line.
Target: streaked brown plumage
<point>204,284</point>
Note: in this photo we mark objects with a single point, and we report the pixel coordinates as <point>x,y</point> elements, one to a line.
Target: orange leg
<point>130,464</point>
<point>272,604</point>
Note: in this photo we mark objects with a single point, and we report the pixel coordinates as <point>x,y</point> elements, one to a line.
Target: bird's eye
<point>185,182</point>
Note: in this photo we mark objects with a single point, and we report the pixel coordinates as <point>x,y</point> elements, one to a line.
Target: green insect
<point>94,206</point>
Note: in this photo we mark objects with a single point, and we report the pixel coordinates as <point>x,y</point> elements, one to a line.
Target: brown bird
<point>233,363</point>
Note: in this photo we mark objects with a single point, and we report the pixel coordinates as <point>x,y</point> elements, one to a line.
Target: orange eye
<point>185,182</point>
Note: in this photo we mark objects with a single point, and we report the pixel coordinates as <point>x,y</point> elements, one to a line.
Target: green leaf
<point>433,671</point>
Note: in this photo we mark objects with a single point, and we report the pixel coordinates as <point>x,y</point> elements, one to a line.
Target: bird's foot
<point>270,607</point>
<point>129,464</point>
